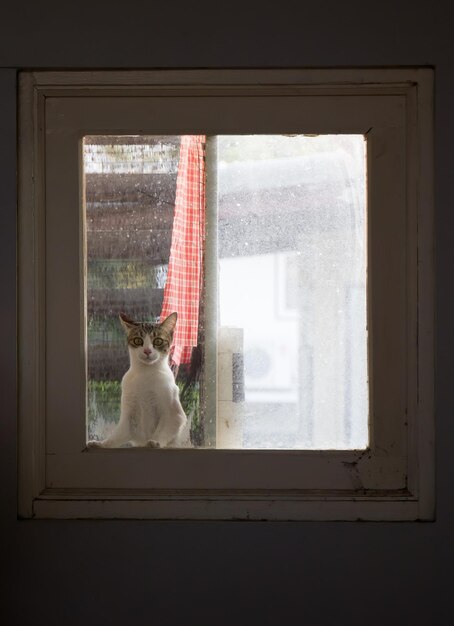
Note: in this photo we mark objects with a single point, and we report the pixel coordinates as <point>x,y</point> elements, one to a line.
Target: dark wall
<point>90,572</point>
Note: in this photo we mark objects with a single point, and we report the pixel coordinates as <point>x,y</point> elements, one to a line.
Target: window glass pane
<point>289,280</point>
<point>130,188</point>
<point>292,292</point>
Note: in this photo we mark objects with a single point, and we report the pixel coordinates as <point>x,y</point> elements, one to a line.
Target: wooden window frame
<point>394,478</point>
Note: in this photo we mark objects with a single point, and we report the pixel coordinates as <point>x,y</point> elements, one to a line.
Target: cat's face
<point>148,343</point>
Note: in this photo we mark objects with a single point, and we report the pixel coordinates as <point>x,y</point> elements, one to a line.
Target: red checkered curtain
<point>184,278</point>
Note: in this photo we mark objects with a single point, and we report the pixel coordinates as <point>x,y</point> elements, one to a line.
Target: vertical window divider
<point>211,271</point>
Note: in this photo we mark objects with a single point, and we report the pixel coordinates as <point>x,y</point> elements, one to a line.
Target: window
<point>288,282</point>
<point>313,318</point>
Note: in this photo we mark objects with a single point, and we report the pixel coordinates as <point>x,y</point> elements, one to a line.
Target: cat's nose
<point>147,351</point>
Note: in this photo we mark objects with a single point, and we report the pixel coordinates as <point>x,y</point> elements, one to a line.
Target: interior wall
<point>115,572</point>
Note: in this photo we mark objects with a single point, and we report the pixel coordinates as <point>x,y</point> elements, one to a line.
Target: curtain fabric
<point>183,287</point>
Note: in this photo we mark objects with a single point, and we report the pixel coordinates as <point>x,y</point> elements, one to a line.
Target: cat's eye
<point>137,341</point>
<point>158,342</point>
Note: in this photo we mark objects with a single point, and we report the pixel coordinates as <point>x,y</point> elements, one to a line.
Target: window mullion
<point>211,293</point>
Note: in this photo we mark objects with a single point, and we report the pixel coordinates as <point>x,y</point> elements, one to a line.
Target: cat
<point>151,413</point>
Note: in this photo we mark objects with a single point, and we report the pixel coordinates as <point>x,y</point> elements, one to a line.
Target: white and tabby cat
<point>151,413</point>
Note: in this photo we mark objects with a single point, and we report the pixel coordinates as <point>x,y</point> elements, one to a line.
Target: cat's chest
<point>146,390</point>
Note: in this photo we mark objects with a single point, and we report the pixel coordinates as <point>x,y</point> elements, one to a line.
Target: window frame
<point>57,479</point>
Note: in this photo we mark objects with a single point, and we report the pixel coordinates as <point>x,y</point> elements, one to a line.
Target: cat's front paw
<point>151,443</point>
<point>94,444</point>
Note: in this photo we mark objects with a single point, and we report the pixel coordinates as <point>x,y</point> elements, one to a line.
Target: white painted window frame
<point>58,477</point>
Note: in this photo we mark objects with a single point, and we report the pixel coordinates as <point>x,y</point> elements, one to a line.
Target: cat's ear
<point>169,323</point>
<point>127,322</point>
